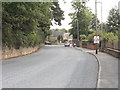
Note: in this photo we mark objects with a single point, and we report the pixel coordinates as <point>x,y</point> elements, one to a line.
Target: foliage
<point>83,37</point>
<point>112,37</point>
<point>83,17</point>
<point>103,36</point>
<point>113,20</point>
<point>57,13</point>
<point>93,24</point>
<point>60,38</point>
<point>65,40</point>
<point>27,23</point>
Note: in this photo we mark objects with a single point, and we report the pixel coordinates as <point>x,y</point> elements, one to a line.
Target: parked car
<point>47,43</point>
<point>66,44</point>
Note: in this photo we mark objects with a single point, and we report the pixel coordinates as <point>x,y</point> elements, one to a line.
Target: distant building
<point>55,35</point>
<point>52,38</point>
<point>67,36</point>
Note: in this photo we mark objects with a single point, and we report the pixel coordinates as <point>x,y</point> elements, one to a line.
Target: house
<point>67,36</point>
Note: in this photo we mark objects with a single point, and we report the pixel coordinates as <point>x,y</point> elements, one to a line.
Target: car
<point>67,44</point>
<point>48,43</point>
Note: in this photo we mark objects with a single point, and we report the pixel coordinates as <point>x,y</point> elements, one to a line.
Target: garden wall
<point>10,53</point>
<point>113,48</point>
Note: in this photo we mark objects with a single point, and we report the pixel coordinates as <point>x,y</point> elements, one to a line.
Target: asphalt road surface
<point>51,67</point>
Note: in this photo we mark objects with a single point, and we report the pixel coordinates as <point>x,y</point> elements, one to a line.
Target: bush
<point>82,37</point>
<point>112,37</point>
<point>104,36</point>
<point>65,40</point>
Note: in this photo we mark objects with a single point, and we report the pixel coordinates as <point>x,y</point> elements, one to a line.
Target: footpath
<point>108,69</point>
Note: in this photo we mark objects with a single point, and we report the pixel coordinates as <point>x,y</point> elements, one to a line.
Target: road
<point>51,67</point>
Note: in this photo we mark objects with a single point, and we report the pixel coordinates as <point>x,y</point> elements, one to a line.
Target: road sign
<point>96,39</point>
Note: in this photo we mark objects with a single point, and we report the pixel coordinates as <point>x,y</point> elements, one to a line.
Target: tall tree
<point>83,16</point>
<point>93,24</point>
<point>26,23</point>
<point>57,13</point>
<point>113,20</point>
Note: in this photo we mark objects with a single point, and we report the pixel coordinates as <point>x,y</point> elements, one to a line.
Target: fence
<point>112,48</point>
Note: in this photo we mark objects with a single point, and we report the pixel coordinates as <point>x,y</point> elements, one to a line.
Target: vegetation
<point>26,24</point>
<point>113,21</point>
<point>60,38</point>
<point>86,21</point>
<point>82,19</point>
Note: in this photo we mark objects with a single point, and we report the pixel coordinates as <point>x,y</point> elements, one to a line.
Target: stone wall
<point>10,53</point>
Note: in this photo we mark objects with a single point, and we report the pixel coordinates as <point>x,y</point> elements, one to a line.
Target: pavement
<point>53,66</point>
<point>108,69</point>
<point>0,75</point>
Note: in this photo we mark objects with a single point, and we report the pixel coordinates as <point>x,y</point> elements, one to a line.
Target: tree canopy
<point>28,23</point>
<point>83,17</point>
<point>113,20</point>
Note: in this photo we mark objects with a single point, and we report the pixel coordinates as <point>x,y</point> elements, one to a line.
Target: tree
<point>93,24</point>
<point>113,21</point>
<point>60,38</point>
<point>27,24</point>
<point>57,13</point>
<point>83,16</point>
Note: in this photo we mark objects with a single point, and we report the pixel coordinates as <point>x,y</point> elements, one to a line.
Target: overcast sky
<point>67,8</point>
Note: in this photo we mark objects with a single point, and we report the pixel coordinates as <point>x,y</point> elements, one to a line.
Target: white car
<point>67,44</point>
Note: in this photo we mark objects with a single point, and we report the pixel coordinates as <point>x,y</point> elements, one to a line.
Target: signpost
<point>96,41</point>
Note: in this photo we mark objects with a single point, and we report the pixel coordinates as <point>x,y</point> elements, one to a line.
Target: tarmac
<point>108,69</point>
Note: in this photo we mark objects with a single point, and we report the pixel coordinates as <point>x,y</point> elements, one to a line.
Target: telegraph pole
<point>101,25</point>
<point>119,7</point>
<point>78,31</point>
<point>96,25</point>
<point>77,25</point>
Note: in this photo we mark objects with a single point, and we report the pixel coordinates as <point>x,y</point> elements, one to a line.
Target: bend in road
<point>51,67</point>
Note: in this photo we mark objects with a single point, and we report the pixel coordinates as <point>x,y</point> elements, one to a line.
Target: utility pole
<point>101,15</point>
<point>119,7</point>
<point>96,25</point>
<point>78,31</point>
<point>78,35</point>
<point>101,27</point>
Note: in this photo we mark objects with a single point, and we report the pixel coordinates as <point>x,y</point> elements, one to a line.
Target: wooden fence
<point>112,48</point>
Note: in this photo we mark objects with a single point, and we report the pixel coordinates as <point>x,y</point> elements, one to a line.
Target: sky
<point>107,5</point>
